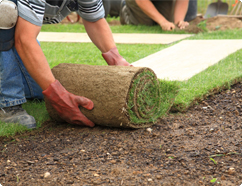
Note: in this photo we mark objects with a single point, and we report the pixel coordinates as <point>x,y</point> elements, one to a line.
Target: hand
<point>67,104</point>
<point>112,57</point>
<point>167,26</point>
<point>182,24</point>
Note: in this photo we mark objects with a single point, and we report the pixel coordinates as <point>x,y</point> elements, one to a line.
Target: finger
<point>84,102</point>
<point>78,118</point>
<point>167,28</point>
<point>125,63</point>
<point>172,27</point>
<point>179,24</point>
<point>84,121</point>
<point>81,119</point>
<point>182,26</point>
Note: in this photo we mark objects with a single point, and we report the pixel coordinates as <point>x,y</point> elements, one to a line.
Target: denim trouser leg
<point>31,89</point>
<point>15,83</point>
<point>192,10</point>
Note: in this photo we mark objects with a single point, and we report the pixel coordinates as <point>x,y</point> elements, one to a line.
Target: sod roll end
<point>127,97</point>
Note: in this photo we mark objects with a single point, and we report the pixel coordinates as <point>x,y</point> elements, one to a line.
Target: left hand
<point>67,104</point>
<point>182,24</point>
<point>112,57</point>
<point>167,26</point>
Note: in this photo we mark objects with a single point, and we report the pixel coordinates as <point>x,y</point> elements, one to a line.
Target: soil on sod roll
<point>126,97</point>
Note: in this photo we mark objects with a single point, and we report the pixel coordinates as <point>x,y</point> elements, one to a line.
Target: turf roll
<point>127,97</point>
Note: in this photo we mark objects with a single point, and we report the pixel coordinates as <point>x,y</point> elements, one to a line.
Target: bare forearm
<point>36,64</point>
<point>180,10</point>
<point>100,34</point>
<point>32,55</point>
<point>150,10</point>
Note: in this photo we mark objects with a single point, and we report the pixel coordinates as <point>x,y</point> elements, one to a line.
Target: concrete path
<point>118,38</point>
<point>178,62</point>
<point>189,57</point>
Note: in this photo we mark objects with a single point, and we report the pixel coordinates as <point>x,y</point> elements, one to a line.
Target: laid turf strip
<point>126,97</point>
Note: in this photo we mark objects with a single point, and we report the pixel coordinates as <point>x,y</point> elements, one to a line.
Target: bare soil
<point>199,24</point>
<point>193,148</point>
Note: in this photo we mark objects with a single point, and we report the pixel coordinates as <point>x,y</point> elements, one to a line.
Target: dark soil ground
<point>201,146</point>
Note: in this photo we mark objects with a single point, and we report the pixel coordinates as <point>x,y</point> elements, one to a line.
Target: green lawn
<point>115,29</point>
<point>214,79</point>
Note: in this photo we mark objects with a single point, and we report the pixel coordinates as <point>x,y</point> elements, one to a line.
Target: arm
<point>31,54</point>
<point>149,9</point>
<point>180,10</point>
<point>101,35</point>
<point>65,103</point>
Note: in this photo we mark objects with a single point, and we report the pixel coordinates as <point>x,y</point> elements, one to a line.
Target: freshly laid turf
<point>214,79</point>
<point>36,109</point>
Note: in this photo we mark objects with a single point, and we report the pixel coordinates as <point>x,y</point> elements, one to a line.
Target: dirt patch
<point>212,24</point>
<point>201,147</point>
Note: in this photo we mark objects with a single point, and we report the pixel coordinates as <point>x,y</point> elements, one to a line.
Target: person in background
<point>167,13</point>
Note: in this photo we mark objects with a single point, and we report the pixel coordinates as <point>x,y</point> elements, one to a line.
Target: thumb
<point>179,24</point>
<point>84,102</point>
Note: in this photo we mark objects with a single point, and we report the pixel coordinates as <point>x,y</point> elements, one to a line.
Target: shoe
<point>16,114</point>
<point>122,12</point>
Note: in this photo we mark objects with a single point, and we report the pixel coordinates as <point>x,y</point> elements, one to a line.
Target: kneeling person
<point>25,72</point>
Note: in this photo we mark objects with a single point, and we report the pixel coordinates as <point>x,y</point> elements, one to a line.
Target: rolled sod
<point>127,97</point>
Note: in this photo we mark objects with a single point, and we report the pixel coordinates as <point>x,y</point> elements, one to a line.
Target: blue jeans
<point>16,85</point>
<point>192,10</point>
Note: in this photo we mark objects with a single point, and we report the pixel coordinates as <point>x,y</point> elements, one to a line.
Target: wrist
<point>53,89</point>
<point>112,56</point>
<point>162,21</point>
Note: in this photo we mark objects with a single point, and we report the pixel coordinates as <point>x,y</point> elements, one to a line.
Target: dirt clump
<point>223,23</point>
<point>200,24</point>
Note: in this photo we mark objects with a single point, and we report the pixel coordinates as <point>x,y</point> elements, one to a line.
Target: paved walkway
<point>178,62</point>
<point>118,38</point>
<point>189,57</point>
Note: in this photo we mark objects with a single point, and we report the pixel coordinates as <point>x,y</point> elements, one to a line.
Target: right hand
<point>182,24</point>
<point>167,26</point>
<point>112,57</point>
<point>67,104</point>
